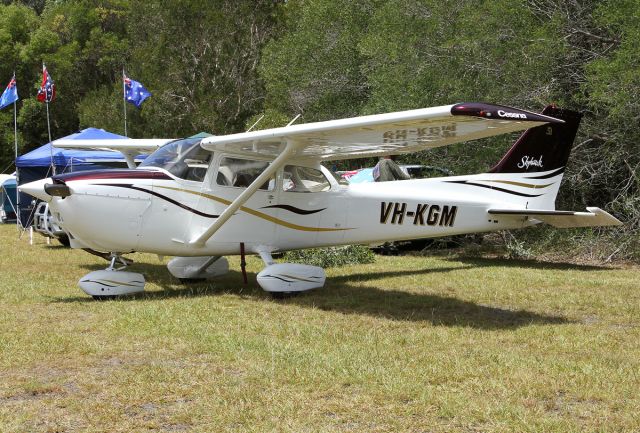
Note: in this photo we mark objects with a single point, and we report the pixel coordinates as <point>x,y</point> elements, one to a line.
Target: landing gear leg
<point>115,258</point>
<point>112,281</point>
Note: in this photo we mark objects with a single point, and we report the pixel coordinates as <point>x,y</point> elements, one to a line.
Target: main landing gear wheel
<point>187,281</point>
<point>112,282</point>
<point>286,279</point>
<point>104,298</point>
<point>283,296</point>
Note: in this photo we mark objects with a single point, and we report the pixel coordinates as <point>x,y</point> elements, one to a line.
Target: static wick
<point>257,121</point>
<point>294,119</point>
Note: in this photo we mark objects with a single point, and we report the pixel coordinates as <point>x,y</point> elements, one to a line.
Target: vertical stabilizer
<point>544,148</point>
<point>528,176</point>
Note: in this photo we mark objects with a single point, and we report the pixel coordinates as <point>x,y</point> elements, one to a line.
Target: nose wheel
<point>112,281</point>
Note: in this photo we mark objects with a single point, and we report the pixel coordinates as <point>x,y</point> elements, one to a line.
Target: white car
<point>415,171</point>
<point>44,222</point>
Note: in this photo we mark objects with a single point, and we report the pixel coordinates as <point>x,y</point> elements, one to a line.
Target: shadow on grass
<point>57,246</point>
<point>345,294</point>
<point>523,263</point>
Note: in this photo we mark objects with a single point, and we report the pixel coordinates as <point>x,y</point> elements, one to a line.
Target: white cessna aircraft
<point>266,191</point>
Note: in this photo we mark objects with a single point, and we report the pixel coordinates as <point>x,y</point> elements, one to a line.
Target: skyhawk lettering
<point>528,161</point>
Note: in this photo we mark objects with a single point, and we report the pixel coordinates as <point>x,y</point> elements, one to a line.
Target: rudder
<point>543,148</point>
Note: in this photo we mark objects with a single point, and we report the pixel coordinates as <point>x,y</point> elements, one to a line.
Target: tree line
<point>218,65</point>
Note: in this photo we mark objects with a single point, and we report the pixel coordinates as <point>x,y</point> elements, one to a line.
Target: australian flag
<point>10,94</point>
<point>135,92</point>
<point>47,90</point>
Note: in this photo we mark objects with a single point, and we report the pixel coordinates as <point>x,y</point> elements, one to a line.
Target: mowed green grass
<point>408,344</point>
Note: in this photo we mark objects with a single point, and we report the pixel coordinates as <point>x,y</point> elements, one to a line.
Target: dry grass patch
<point>405,344</point>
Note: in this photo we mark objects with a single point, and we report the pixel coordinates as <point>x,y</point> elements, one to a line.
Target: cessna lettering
<point>509,115</point>
<point>423,214</point>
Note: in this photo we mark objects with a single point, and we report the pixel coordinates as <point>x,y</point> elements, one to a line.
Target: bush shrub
<point>332,256</point>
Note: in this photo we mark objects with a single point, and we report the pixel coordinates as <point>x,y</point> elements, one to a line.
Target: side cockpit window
<point>242,172</point>
<point>304,179</point>
<point>195,164</point>
<point>185,159</point>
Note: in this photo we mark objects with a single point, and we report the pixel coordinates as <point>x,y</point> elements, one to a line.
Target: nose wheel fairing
<point>107,283</point>
<point>112,281</point>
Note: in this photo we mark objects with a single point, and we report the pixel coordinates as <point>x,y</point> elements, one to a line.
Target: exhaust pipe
<point>57,189</point>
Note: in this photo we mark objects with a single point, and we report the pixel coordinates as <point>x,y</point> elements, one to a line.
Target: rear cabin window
<point>242,172</point>
<point>304,179</point>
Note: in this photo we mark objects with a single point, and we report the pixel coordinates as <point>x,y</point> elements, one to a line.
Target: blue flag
<point>135,92</point>
<point>10,95</point>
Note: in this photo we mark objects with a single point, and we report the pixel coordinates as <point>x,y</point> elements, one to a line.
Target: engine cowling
<point>291,277</point>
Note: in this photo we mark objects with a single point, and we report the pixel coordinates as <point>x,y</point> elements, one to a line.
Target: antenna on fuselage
<point>257,121</point>
<point>294,119</point>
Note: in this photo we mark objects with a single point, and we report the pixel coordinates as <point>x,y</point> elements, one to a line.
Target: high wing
<point>564,219</point>
<point>129,147</point>
<point>376,135</point>
<point>383,134</point>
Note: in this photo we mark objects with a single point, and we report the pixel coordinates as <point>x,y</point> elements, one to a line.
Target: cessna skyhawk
<point>267,191</point>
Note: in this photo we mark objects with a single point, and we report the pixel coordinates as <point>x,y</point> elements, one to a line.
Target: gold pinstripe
<point>293,277</point>
<point>524,185</point>
<point>257,213</point>
<point>115,282</point>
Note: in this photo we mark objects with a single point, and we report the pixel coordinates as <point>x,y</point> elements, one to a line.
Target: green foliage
<point>218,66</point>
<point>199,62</point>
<point>332,257</point>
<point>314,68</point>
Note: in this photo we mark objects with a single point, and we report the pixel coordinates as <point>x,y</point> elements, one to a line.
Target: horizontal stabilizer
<point>564,219</point>
<point>138,145</point>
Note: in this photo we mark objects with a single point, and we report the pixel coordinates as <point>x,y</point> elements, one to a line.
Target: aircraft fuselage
<point>152,211</point>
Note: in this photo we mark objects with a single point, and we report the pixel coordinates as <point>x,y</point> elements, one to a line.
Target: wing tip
<point>499,112</point>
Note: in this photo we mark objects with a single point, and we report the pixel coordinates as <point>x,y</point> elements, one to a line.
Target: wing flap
<point>563,219</point>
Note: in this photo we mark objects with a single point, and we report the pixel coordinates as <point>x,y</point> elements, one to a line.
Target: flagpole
<point>46,101</point>
<point>15,146</point>
<point>53,166</point>
<point>124,101</point>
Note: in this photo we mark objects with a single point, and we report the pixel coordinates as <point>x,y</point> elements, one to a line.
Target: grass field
<point>407,344</point>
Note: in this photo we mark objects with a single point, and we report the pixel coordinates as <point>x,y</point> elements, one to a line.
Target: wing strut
<point>130,158</point>
<point>246,194</point>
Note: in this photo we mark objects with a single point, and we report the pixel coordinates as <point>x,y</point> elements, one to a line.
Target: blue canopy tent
<point>8,199</point>
<point>37,164</point>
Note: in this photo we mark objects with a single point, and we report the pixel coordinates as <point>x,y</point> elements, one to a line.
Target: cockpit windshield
<point>184,158</point>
